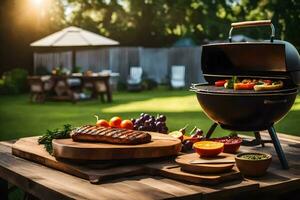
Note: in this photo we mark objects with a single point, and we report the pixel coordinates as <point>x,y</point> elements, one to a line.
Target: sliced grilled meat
<point>92,133</point>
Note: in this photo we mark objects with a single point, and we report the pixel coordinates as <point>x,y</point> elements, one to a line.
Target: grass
<point>20,118</point>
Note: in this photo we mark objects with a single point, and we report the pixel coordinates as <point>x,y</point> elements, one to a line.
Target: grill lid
<point>267,58</point>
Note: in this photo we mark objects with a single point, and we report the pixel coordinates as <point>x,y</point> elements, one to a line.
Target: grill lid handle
<point>193,87</point>
<point>252,24</point>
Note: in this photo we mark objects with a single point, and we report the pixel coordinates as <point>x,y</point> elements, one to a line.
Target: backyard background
<point>148,27</point>
<point>21,118</point>
<point>143,23</point>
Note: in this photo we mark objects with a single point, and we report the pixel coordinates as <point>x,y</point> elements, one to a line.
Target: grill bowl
<point>246,111</point>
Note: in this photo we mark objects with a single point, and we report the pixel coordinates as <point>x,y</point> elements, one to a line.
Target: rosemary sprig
<point>46,139</point>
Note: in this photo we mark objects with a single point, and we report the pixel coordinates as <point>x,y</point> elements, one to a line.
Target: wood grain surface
<point>184,161</point>
<point>29,148</point>
<point>160,146</point>
<point>97,172</point>
<point>172,170</point>
<point>47,183</point>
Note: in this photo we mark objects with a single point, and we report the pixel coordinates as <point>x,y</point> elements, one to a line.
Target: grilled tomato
<point>208,148</point>
<point>115,122</point>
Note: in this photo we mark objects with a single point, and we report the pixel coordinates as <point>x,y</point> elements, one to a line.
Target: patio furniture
<point>134,81</point>
<point>39,87</point>
<point>178,76</point>
<point>66,88</point>
<point>99,85</point>
<point>114,78</point>
<point>70,87</point>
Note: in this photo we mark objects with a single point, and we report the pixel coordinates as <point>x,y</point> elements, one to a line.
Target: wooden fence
<point>156,62</point>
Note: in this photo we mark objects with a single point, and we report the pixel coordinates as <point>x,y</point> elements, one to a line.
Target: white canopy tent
<point>72,38</point>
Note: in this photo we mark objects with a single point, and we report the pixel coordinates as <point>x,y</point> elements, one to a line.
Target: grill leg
<point>211,130</point>
<point>278,148</point>
<point>258,138</point>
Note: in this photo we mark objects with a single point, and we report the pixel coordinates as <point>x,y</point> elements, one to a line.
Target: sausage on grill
<point>92,133</point>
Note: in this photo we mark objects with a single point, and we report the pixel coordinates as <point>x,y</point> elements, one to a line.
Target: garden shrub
<point>14,81</point>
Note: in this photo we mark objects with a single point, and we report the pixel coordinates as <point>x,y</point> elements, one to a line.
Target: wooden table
<point>46,183</point>
<point>92,80</point>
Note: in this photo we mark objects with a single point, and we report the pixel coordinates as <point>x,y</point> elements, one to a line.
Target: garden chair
<point>178,76</point>
<point>134,81</point>
<point>67,88</point>
<point>99,85</point>
<point>114,77</point>
<point>39,87</point>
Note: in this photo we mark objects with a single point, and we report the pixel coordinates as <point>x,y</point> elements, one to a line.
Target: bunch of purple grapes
<point>148,122</point>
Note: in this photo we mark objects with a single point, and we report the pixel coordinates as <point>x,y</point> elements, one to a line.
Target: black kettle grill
<point>247,110</point>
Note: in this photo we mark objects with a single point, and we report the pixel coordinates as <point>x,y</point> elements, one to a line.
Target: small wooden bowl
<point>231,144</point>
<point>253,168</point>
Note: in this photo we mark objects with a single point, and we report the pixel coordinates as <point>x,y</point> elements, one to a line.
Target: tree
<point>142,22</point>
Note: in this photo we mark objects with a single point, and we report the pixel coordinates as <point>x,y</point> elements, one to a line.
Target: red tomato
<point>220,83</point>
<point>126,124</point>
<point>115,122</point>
<point>102,122</point>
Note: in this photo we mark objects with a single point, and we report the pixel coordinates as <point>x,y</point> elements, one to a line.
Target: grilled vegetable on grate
<point>273,86</point>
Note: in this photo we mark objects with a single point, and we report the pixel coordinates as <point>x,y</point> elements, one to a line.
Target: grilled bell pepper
<point>244,86</point>
<point>274,86</point>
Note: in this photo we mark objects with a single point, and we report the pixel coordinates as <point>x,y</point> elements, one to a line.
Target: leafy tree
<point>142,22</point>
<point>161,22</point>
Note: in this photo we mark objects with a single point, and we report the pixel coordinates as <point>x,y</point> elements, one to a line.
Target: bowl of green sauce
<point>253,164</point>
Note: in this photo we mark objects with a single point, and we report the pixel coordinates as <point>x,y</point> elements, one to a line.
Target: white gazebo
<point>72,38</point>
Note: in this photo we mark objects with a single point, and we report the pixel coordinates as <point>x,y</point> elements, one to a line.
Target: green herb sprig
<point>46,139</point>
<point>230,83</point>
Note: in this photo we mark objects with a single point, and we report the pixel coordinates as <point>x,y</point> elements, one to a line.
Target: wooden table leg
<point>94,94</point>
<point>108,91</point>
<point>3,189</point>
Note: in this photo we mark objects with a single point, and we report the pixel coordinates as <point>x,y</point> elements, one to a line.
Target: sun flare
<point>37,3</point>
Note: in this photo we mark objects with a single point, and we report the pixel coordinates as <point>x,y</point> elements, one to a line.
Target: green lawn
<point>19,117</point>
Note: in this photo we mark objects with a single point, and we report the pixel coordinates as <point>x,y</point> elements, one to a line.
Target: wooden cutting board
<point>198,165</point>
<point>160,146</point>
<point>172,170</point>
<point>97,172</point>
<point>28,148</point>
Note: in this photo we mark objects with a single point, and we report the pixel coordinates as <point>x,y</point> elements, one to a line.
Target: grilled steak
<point>110,135</point>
